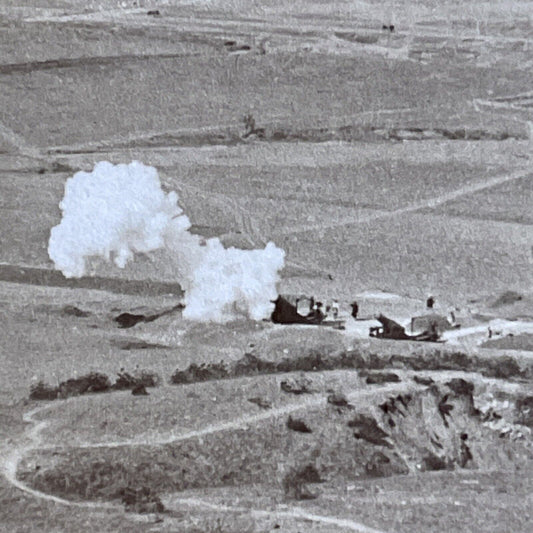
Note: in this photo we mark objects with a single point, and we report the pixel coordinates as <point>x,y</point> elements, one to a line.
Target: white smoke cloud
<point>116,211</point>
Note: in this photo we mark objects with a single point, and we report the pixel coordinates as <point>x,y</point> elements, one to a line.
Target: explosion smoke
<point>116,211</point>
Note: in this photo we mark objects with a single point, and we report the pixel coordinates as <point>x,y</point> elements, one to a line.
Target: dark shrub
<point>203,372</point>
<point>431,462</point>
<point>503,367</point>
<point>42,391</point>
<point>143,378</point>
<point>71,310</point>
<point>366,428</point>
<point>294,483</point>
<point>374,378</point>
<point>141,500</point>
<point>251,364</point>
<point>524,406</point>
<point>461,387</point>
<point>93,382</point>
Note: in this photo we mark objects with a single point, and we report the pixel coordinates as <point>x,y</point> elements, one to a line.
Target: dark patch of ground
<point>54,278</point>
<point>506,298</point>
<point>93,382</point>
<point>127,344</point>
<point>373,378</point>
<point>72,310</point>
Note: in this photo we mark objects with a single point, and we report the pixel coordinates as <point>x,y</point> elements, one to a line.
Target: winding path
<point>31,440</point>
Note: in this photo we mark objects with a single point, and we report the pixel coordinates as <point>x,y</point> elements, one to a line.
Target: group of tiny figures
<point>319,312</point>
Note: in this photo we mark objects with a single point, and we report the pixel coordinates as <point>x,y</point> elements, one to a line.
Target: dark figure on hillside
<point>355,309</point>
<point>430,302</point>
<point>465,454</point>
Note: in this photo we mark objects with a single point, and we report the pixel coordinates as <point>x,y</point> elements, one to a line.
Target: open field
<point>388,166</point>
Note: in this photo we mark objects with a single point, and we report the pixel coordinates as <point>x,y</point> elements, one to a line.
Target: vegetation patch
<point>381,465</point>
<point>524,408</point>
<point>312,360</point>
<point>93,382</point>
<point>367,428</point>
<point>145,378</point>
<point>141,500</point>
<point>72,310</point>
<point>373,378</point>
<point>203,372</point>
<point>125,344</point>
<point>402,433</point>
<point>295,482</point>
<point>42,391</point>
<point>431,462</point>
<point>506,298</point>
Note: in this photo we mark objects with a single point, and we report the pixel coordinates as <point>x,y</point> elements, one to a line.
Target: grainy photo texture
<point>266,265</point>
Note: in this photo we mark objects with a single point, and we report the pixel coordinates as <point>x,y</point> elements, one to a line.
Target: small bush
<point>374,378</point>
<point>504,367</point>
<point>72,310</point>
<point>312,361</point>
<point>141,500</point>
<point>524,406</point>
<point>250,364</point>
<point>42,391</point>
<point>295,481</point>
<point>461,387</point>
<point>309,474</point>
<point>367,428</point>
<point>92,382</point>
<point>507,298</point>
<point>140,378</point>
<point>431,463</point>
<point>380,465</point>
<point>204,372</point>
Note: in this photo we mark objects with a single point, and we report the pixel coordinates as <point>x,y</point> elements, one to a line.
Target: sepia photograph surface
<point>266,265</point>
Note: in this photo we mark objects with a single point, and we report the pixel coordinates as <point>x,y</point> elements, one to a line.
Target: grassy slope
<point>262,451</point>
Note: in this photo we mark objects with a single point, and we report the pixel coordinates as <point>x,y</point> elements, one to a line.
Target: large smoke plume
<point>116,211</point>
